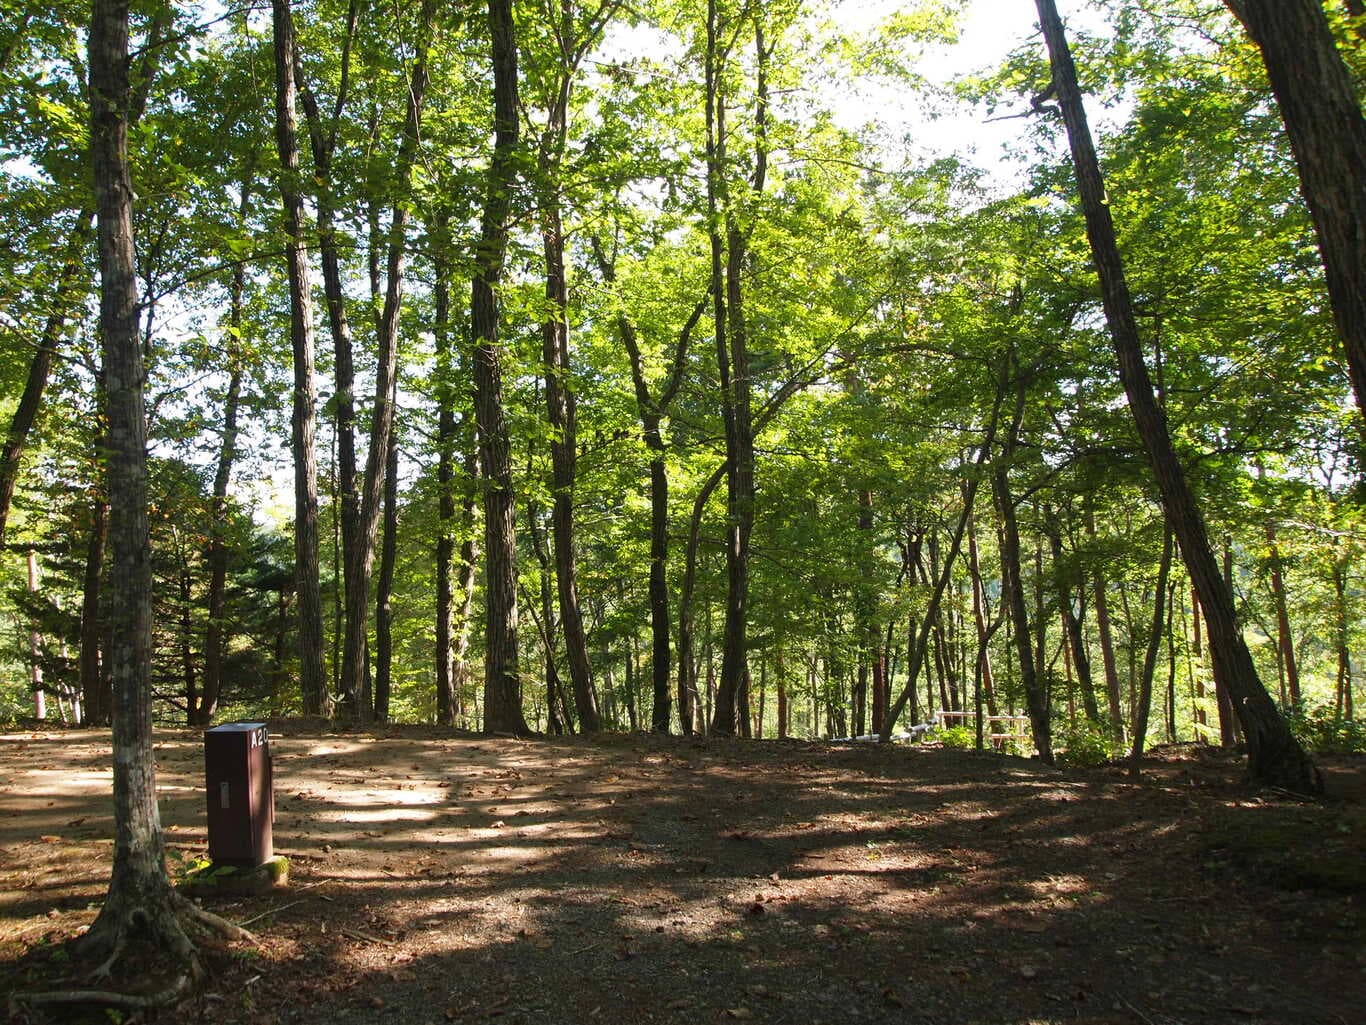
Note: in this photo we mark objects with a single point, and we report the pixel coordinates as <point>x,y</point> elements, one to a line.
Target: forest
<point>574,366</point>
<point>528,407</point>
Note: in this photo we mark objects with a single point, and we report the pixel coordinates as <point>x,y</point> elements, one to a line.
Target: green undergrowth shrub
<point>959,737</point>
<point>1321,729</point>
<point>1083,744</point>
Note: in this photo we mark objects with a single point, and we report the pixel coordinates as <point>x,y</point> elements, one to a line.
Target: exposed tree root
<point>180,988</point>
<point>172,933</point>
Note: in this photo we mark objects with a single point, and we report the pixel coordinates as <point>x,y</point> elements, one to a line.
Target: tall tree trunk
<point>560,407</point>
<point>35,647</point>
<point>384,588</point>
<point>502,682</point>
<point>1284,636</point>
<point>141,907</point>
<point>1012,584</point>
<point>733,359</point>
<point>1274,755</point>
<point>93,682</point>
<point>687,677</point>
<point>1144,704</point>
<point>323,143</point>
<point>139,879</point>
<point>1344,680</point>
<point>1100,594</point>
<point>1072,624</point>
<point>360,563</point>
<point>227,455</point>
<point>724,719</point>
<point>311,677</point>
<point>445,497</point>
<point>1327,133</point>
<point>651,412</point>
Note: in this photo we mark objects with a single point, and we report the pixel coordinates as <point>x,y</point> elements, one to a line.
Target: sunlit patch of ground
<point>441,878</point>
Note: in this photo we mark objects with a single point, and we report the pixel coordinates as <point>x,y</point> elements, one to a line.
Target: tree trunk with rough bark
<point>142,914</point>
<point>1327,133</point>
<point>502,682</point>
<point>322,137</point>
<point>1275,757</point>
<point>312,680</point>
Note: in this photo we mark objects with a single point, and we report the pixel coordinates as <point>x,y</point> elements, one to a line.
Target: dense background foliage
<point>898,313</point>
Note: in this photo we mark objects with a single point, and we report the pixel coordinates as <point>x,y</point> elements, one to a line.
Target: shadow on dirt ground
<point>441,878</point>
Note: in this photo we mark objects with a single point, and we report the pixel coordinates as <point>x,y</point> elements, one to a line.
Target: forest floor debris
<point>442,877</point>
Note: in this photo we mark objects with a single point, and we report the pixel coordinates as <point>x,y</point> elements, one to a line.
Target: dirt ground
<point>449,878</point>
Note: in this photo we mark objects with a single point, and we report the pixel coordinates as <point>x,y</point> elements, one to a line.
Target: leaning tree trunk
<point>1274,755</point>
<point>16,438</point>
<point>1327,133</point>
<point>502,682</point>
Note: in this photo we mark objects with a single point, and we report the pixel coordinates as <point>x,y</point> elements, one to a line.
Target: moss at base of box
<point>236,880</point>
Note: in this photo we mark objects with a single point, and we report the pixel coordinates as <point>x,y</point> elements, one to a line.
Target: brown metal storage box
<point>237,773</point>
